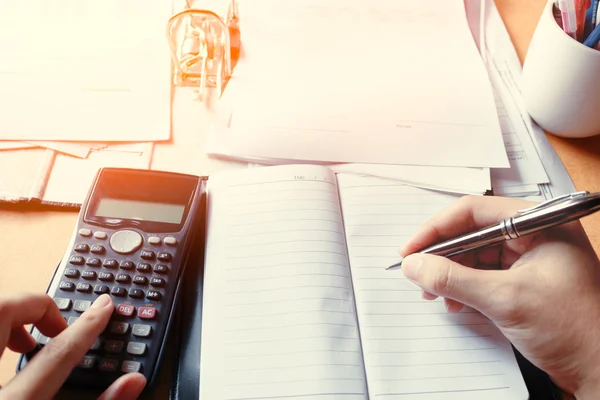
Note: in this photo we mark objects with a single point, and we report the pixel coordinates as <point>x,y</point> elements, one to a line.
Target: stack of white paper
<point>89,80</point>
<point>372,92</point>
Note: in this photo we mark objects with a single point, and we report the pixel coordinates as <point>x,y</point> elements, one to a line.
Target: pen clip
<point>551,202</point>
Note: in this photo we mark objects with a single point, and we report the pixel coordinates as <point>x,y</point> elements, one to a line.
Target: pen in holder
<point>201,49</point>
<point>561,79</point>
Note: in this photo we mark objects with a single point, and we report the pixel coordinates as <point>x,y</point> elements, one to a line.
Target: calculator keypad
<point>136,283</point>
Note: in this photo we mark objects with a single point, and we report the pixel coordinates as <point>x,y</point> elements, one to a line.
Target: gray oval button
<point>125,242</point>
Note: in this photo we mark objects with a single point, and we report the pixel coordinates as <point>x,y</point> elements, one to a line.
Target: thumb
<point>445,278</point>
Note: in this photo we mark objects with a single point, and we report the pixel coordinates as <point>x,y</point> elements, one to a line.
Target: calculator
<point>132,240</point>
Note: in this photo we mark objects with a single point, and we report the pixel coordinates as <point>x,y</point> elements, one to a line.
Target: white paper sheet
<point>84,70</point>
<point>278,309</point>
<point>413,348</point>
<point>340,83</point>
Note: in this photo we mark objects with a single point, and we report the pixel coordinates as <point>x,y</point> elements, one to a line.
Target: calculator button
<point>67,286</point>
<point>120,328</point>
<point>161,269</point>
<point>136,349</point>
<point>87,362</point>
<point>170,241</point>
<point>108,365</point>
<point>81,305</point>
<point>72,320</point>
<point>123,278</point>
<point>100,235</point>
<point>125,310</point>
<point>127,265</point>
<point>94,262</point>
<point>112,264</point>
<point>114,346</point>
<point>63,304</point>
<point>118,291</point>
<point>76,260</point>
<point>84,287</point>
<point>72,273</point>
<point>97,249</point>
<point>164,256</point>
<point>153,295</point>
<point>143,267</point>
<point>101,289</point>
<point>146,312</point>
<point>125,241</point>
<point>89,275</point>
<point>82,248</point>
<point>157,282</point>
<point>136,293</point>
<point>85,232</point>
<point>141,330</point>
<point>131,366</point>
<point>140,280</point>
<point>154,240</point>
<point>96,345</point>
<point>43,340</point>
<point>106,276</point>
<point>147,254</point>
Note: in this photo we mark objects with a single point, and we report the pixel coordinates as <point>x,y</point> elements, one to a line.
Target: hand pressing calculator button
<point>131,242</point>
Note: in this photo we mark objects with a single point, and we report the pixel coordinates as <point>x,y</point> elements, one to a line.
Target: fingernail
<point>101,301</point>
<point>411,266</point>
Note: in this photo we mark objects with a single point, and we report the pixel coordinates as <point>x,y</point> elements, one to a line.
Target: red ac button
<point>146,312</point>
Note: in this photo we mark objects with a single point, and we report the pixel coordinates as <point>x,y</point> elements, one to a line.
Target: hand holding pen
<point>541,289</point>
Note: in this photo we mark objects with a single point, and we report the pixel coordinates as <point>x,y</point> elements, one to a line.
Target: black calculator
<point>132,240</point>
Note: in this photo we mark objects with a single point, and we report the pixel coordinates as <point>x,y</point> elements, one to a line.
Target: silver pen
<point>556,211</point>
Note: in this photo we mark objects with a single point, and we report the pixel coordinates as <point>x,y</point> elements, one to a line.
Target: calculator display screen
<point>140,210</point>
<point>150,200</point>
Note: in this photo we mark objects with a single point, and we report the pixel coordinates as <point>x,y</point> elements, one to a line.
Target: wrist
<point>587,392</point>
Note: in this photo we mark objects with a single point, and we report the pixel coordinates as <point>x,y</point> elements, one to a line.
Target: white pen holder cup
<point>561,81</point>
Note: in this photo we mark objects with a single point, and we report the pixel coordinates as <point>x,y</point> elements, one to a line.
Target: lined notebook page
<point>414,349</point>
<point>279,319</point>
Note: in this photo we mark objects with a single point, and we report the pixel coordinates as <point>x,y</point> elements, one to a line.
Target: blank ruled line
<point>383,225</point>
<point>269,340</point>
<point>296,396</point>
<point>287,241</point>
<point>427,338</point>
<point>286,253</point>
<point>288,326</point>
<point>389,290</point>
<point>248,203</point>
<point>266,278</point>
<point>431,351</point>
<point>286,220</point>
<point>288,313</point>
<point>294,190</point>
<point>445,391</point>
<point>283,231</point>
<point>283,210</point>
<point>422,313</point>
<point>293,381</point>
<point>439,377</point>
<point>295,366</point>
<point>279,181</point>
<point>430,364</point>
<point>288,353</point>
<point>284,301</point>
<point>426,326</point>
<point>285,264</point>
<point>287,288</point>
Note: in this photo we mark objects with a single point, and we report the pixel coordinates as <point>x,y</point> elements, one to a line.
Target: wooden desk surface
<point>31,243</point>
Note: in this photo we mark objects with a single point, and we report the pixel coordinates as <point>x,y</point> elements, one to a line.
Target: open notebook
<point>298,305</point>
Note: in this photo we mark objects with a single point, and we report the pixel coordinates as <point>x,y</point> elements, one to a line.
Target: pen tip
<point>398,265</point>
